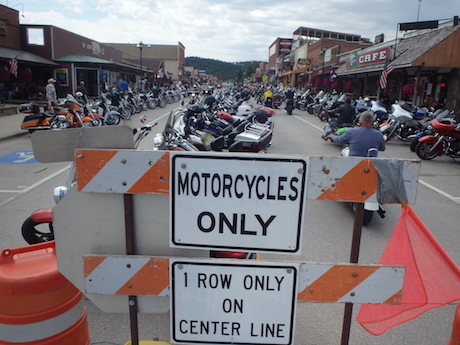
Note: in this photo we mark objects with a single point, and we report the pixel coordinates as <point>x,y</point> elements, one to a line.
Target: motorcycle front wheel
<point>113,120</point>
<point>386,135</point>
<point>367,217</point>
<point>414,144</point>
<point>96,122</point>
<point>426,151</point>
<point>34,232</point>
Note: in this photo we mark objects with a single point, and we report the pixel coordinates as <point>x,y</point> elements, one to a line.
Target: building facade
<point>21,72</point>
<point>425,62</point>
<point>36,53</point>
<point>163,62</point>
<point>307,58</point>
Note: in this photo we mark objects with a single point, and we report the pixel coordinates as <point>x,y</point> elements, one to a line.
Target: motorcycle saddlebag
<point>29,108</point>
<point>33,120</point>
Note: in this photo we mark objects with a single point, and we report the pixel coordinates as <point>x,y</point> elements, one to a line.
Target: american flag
<point>332,75</point>
<point>387,69</point>
<point>14,67</point>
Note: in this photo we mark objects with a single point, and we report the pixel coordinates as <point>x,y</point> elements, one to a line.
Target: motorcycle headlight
<point>158,140</point>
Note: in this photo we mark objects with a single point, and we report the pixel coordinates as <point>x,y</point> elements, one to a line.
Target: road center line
<point>36,184</point>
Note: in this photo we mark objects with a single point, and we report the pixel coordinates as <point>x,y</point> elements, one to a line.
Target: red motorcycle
<point>446,140</point>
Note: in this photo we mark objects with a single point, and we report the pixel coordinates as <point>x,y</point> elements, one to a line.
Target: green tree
<point>224,71</point>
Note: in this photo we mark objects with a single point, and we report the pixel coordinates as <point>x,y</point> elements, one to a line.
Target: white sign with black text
<point>232,302</point>
<point>245,202</point>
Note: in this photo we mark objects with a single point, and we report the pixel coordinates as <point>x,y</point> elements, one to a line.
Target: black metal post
<point>128,200</point>
<point>140,45</point>
<point>354,257</point>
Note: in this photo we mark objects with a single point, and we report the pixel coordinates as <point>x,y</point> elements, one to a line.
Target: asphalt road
<point>326,234</point>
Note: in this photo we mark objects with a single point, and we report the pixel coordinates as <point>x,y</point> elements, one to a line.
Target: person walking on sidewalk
<point>51,95</point>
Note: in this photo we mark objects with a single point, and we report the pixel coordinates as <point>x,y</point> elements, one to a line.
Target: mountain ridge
<point>224,71</point>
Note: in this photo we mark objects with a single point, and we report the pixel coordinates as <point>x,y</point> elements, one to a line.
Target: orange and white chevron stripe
<point>140,275</point>
<point>350,283</point>
<point>131,171</point>
<point>122,171</point>
<point>341,179</point>
<point>127,275</point>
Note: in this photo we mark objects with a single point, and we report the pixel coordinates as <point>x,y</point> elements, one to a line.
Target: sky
<point>226,30</point>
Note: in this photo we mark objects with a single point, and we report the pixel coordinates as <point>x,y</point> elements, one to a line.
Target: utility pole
<point>418,13</point>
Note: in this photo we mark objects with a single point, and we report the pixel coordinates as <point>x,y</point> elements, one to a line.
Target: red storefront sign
<point>357,59</point>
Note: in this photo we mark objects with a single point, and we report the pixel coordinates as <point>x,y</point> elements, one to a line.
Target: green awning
<point>23,56</point>
<point>77,58</point>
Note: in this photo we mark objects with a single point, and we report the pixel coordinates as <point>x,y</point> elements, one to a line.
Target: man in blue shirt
<point>361,139</point>
<point>124,85</point>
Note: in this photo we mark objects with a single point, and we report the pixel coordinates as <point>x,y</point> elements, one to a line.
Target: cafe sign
<point>360,59</point>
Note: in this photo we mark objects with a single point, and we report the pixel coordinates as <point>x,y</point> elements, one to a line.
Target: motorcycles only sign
<point>237,202</point>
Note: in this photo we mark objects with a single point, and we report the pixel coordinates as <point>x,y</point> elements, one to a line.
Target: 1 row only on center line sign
<point>246,302</point>
<point>244,202</point>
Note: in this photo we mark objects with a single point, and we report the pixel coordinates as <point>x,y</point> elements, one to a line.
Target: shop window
<point>35,36</point>
<point>62,76</point>
<point>3,28</point>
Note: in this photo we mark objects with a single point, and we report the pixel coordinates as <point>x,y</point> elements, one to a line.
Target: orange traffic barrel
<point>38,305</point>
<point>455,339</point>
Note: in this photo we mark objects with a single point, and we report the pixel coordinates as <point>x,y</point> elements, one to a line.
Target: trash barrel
<point>38,305</point>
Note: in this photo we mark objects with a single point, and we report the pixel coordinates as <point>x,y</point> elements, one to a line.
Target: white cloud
<point>229,30</point>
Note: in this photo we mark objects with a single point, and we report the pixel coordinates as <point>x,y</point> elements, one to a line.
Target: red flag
<point>432,278</point>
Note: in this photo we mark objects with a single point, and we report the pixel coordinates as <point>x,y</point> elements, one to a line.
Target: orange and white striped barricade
<point>158,185</point>
<point>38,305</point>
<point>229,294</point>
<point>144,275</point>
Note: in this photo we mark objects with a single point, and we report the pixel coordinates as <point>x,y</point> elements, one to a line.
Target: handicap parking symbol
<point>19,157</point>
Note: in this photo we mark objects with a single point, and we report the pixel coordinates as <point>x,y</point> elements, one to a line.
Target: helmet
<point>261,116</point>
<point>197,108</point>
<point>210,100</point>
<point>244,110</point>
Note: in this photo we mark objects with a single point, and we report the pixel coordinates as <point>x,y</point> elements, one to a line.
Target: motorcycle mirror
<point>59,193</point>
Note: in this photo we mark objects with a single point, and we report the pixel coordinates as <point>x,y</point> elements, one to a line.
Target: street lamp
<point>323,53</point>
<point>418,13</point>
<point>140,45</point>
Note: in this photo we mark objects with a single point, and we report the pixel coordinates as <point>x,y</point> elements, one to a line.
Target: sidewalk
<point>10,123</point>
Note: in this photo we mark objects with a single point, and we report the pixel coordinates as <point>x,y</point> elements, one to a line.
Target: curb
<point>12,136</point>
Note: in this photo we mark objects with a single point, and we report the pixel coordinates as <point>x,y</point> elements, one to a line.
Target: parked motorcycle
<point>36,120</point>
<point>427,128</point>
<point>70,114</point>
<point>110,117</point>
<point>446,140</point>
<point>402,123</point>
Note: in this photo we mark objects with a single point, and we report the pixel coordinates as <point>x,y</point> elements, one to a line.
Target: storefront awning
<point>23,56</point>
<point>84,59</point>
<point>77,58</point>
